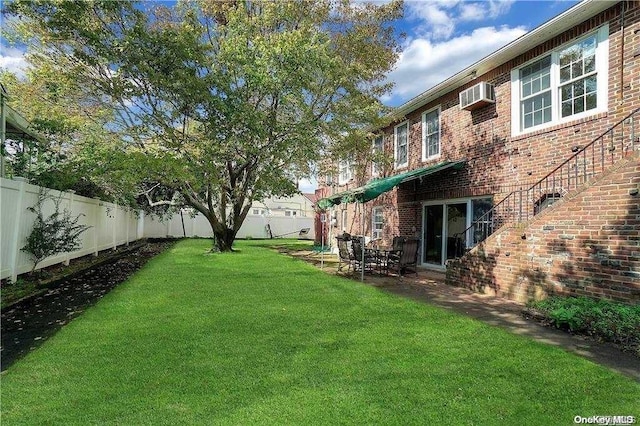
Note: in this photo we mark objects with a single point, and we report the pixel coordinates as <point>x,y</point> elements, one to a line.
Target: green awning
<point>379,186</point>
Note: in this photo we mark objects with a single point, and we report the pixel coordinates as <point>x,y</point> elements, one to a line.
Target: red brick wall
<point>498,163</point>
<point>588,245</point>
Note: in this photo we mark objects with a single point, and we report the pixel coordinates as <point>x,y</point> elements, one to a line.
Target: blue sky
<point>442,38</point>
<point>445,36</point>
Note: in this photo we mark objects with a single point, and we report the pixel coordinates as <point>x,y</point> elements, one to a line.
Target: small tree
<point>55,234</point>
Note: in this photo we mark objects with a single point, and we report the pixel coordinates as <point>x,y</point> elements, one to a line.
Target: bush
<point>604,319</point>
<point>55,234</point>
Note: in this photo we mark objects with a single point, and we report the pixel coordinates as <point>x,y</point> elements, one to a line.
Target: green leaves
<point>54,234</point>
<point>228,101</point>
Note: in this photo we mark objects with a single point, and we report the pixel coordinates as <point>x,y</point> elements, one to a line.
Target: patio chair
<point>396,249</point>
<point>407,259</point>
<point>397,243</point>
<point>368,261</point>
<point>344,254</point>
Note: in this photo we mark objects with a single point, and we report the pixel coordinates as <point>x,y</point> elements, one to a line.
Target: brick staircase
<point>575,232</point>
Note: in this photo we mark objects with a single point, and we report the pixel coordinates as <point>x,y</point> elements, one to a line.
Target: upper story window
<point>431,134</point>
<point>377,222</point>
<point>290,213</point>
<point>401,149</point>
<point>378,144</point>
<point>346,171</point>
<point>328,179</point>
<point>566,84</point>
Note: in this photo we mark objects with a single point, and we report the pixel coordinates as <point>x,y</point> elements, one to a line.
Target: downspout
<point>622,16</point>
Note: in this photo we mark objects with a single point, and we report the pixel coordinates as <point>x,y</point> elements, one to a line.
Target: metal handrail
<point>576,170</point>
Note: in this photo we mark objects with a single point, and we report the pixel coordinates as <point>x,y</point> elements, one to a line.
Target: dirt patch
<point>28,323</point>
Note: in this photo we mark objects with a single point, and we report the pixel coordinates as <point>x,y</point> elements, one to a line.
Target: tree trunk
<point>224,239</point>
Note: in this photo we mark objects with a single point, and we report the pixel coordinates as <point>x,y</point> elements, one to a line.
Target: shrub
<point>603,319</point>
<point>55,234</point>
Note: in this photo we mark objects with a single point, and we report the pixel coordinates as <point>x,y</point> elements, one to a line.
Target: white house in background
<point>300,205</point>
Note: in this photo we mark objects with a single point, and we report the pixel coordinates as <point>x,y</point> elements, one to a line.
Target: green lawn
<point>254,337</point>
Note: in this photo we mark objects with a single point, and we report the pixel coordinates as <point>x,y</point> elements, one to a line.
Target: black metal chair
<point>344,254</point>
<point>363,258</point>
<point>405,260</point>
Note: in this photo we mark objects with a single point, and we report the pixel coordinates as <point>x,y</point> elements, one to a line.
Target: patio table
<point>382,257</point>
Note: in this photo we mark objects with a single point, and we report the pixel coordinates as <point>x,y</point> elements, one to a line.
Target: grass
<point>257,337</point>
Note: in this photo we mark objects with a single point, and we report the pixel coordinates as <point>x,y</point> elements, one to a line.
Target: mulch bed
<point>26,324</point>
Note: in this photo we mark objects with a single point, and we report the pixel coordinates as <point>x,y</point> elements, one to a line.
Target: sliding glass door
<point>443,228</point>
<point>433,220</point>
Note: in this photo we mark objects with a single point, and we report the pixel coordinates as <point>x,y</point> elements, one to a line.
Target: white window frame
<point>602,72</point>
<point>348,167</point>
<point>376,168</point>
<point>395,145</point>
<point>375,232</point>
<point>425,155</point>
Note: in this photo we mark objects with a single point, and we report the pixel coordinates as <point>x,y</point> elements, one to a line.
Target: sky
<point>442,38</point>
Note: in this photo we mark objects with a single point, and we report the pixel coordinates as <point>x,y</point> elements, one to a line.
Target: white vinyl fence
<point>254,226</point>
<point>111,225</point>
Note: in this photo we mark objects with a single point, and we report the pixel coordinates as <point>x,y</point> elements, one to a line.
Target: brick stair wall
<point>588,244</point>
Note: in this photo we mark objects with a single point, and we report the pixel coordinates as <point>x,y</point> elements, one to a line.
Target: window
<point>377,222</point>
<point>258,211</point>
<point>402,145</point>
<point>535,86</point>
<point>346,171</point>
<point>565,84</point>
<point>290,213</point>
<point>329,179</point>
<point>483,220</point>
<point>431,134</point>
<point>376,167</point>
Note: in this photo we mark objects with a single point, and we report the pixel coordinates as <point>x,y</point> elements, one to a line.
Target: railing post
<point>520,214</point>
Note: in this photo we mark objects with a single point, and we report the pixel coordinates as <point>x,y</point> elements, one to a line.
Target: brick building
<point>550,118</point>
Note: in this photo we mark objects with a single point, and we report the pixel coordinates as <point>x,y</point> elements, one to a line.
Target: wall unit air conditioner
<point>477,96</point>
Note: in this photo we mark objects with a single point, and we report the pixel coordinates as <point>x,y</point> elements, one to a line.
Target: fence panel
<point>110,224</point>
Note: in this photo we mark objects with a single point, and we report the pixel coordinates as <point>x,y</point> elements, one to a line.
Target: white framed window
<point>401,145</point>
<point>431,134</point>
<point>568,83</point>
<point>329,179</point>
<point>377,222</point>
<point>378,146</point>
<point>290,213</point>
<point>258,211</point>
<point>346,171</point>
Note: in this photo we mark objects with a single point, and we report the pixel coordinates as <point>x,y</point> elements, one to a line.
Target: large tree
<point>220,103</point>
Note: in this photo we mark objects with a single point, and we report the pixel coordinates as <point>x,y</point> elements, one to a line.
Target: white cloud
<point>12,59</point>
<point>425,63</point>
<point>439,18</point>
<point>308,186</point>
